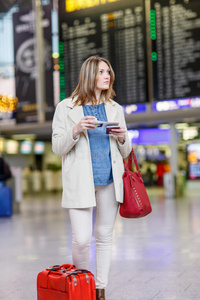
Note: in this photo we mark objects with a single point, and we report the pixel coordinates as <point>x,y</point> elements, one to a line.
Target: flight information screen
<point>112,29</point>
<point>175,27</point>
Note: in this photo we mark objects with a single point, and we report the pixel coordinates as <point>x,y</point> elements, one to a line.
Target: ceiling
<point>150,118</point>
<point>140,120</point>
<point>41,130</point>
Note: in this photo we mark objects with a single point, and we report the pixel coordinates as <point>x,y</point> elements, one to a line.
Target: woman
<point>92,165</point>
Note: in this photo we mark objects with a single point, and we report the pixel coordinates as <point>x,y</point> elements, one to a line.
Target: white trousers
<point>82,225</point>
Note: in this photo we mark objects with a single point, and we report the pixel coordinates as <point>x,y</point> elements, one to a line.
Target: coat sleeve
<point>62,136</point>
<point>126,147</point>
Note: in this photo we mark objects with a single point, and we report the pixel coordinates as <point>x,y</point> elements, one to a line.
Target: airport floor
<point>154,258</point>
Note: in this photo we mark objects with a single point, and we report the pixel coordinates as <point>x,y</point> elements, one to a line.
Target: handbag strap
<point>130,161</point>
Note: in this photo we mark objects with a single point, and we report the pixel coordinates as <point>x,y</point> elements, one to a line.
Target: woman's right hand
<point>85,123</point>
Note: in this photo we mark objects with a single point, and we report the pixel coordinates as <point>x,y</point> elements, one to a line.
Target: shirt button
<point>114,161</point>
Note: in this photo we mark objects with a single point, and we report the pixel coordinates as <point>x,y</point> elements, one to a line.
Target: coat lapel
<point>76,113</point>
<point>111,111</point>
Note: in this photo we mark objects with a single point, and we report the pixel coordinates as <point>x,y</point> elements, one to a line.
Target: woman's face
<point>103,77</point>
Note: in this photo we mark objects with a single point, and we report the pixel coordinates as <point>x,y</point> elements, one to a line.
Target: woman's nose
<point>107,76</point>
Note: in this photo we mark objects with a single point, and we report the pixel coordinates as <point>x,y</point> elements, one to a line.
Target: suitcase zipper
<point>75,280</point>
<point>87,277</point>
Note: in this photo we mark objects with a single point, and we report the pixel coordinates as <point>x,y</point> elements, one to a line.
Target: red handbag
<point>136,202</point>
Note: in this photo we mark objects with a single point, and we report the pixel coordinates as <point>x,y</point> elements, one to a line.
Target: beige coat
<point>77,174</point>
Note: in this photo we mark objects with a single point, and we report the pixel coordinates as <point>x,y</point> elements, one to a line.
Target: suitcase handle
<point>66,267</point>
<point>53,268</point>
<point>76,270</point>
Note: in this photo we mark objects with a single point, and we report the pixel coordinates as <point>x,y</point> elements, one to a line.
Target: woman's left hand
<point>120,133</point>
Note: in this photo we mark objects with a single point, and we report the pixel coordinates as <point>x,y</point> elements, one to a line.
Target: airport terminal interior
<point>154,49</point>
<point>155,257</point>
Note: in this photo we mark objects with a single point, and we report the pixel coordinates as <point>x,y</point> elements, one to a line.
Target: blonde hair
<point>85,89</point>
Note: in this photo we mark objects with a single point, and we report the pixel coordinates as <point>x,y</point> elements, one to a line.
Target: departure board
<point>175,34</point>
<point>114,30</point>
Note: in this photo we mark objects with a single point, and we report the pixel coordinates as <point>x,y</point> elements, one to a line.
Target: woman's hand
<point>120,133</point>
<point>85,123</point>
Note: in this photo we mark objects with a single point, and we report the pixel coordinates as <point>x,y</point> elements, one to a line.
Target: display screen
<point>12,147</point>
<point>39,147</point>
<point>26,64</point>
<point>115,30</point>
<point>175,26</point>
<point>151,136</point>
<point>26,147</point>
<point>193,152</point>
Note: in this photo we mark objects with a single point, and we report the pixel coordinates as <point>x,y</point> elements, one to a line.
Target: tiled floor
<point>154,258</point>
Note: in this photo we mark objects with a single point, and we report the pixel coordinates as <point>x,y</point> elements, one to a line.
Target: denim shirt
<point>99,146</point>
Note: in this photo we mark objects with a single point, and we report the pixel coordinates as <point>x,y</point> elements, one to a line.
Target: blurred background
<point>154,49</point>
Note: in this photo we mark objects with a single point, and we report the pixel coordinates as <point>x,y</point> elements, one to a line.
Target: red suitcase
<point>65,282</point>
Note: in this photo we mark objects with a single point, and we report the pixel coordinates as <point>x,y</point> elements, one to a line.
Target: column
<point>39,59</point>
<point>173,157</point>
<point>173,146</point>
